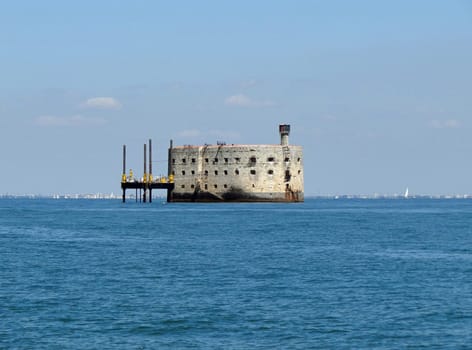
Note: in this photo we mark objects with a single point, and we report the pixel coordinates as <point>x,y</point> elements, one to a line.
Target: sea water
<point>339,274</point>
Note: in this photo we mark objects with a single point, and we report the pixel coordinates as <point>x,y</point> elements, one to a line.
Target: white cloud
<point>102,103</point>
<point>76,120</point>
<point>445,124</point>
<point>244,101</point>
<point>238,100</point>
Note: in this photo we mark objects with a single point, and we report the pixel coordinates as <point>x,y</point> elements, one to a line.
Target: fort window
<point>299,172</point>
<point>253,172</point>
<point>173,160</point>
<point>193,172</point>
<point>252,159</point>
<point>183,186</point>
<point>216,172</point>
<point>226,172</point>
<point>270,159</point>
<point>216,186</point>
<point>237,159</point>
<point>298,160</point>
<point>226,160</point>
<point>192,186</point>
<point>173,172</point>
<point>183,172</point>
<point>206,186</point>
<point>225,186</point>
<point>287,175</point>
<point>206,160</point>
<point>216,160</point>
<point>206,172</point>
<point>287,159</point>
<point>236,172</point>
<point>193,160</point>
<point>270,172</point>
<point>183,160</point>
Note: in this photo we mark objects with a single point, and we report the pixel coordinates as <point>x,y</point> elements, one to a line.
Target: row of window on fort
<point>236,172</point>
<point>205,186</point>
<point>236,160</point>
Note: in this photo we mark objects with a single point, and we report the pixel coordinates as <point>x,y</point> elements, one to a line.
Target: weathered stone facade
<point>272,173</point>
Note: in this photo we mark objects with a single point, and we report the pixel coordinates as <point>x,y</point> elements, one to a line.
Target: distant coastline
<point>111,196</point>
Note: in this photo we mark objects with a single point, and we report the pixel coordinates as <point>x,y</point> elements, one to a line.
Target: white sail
<point>406,193</point>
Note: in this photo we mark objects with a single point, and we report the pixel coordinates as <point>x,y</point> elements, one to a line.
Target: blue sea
<point>324,274</point>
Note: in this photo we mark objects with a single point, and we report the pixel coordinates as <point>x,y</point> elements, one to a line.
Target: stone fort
<point>239,173</point>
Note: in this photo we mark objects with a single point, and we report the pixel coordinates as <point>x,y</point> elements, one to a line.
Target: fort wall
<point>237,173</point>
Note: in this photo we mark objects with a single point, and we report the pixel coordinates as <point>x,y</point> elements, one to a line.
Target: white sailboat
<point>406,193</point>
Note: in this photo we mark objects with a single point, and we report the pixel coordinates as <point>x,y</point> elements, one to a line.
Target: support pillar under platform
<point>146,188</point>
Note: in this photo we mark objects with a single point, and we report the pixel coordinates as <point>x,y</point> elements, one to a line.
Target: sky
<point>378,93</point>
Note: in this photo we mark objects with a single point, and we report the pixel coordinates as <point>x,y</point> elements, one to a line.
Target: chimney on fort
<point>284,130</point>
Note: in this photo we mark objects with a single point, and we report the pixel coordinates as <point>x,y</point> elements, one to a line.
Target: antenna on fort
<point>150,170</point>
<point>284,130</point>
<point>169,168</point>
<point>123,176</point>
<point>144,176</point>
